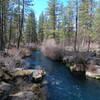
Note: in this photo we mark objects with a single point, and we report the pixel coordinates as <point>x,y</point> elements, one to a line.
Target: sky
<point>41,5</point>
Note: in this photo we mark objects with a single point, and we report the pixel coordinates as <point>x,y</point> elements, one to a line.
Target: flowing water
<point>61,84</point>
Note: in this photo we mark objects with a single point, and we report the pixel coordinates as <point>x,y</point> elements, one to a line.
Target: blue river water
<point>62,85</point>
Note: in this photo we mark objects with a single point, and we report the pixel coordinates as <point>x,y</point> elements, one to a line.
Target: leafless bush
<point>50,49</point>
<point>91,67</point>
<point>31,46</point>
<point>10,62</point>
<point>11,58</point>
<point>25,52</point>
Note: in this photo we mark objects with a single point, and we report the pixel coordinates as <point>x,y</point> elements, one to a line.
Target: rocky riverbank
<point>21,84</point>
<point>18,83</point>
<point>80,62</point>
<point>85,62</point>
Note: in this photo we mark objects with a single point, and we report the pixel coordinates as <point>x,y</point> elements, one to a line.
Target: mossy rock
<point>33,75</point>
<point>98,77</point>
<point>5,75</point>
<point>22,73</point>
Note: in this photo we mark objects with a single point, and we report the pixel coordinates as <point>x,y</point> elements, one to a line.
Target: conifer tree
<point>53,13</point>
<point>96,26</point>
<point>31,34</point>
<point>40,27</point>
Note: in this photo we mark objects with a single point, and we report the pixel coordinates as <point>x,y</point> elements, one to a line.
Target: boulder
<point>93,71</point>
<point>78,70</point>
<point>40,91</point>
<point>5,90</point>
<point>23,95</point>
<point>38,74</point>
<point>5,75</point>
<point>35,75</point>
<point>78,67</point>
<point>93,75</point>
<point>35,87</point>
<point>23,72</point>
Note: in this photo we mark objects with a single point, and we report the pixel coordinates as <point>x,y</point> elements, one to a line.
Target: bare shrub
<point>91,67</point>
<point>31,46</point>
<point>50,49</point>
<point>9,62</point>
<point>25,52</point>
<point>10,59</point>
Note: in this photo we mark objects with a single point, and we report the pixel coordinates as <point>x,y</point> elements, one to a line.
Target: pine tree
<point>61,22</point>
<point>46,27</point>
<point>91,6</point>
<point>40,27</point>
<point>69,21</point>
<point>83,19</point>
<point>53,12</point>
<point>86,21</point>
<point>31,34</point>
<point>3,22</point>
<point>96,25</point>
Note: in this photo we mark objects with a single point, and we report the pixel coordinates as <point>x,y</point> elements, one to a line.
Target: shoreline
<point>19,82</point>
<point>79,62</point>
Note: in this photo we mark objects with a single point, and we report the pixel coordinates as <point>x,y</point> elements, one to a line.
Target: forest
<point>78,22</point>
<point>64,36</point>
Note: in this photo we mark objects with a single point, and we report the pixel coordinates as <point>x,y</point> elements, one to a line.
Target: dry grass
<point>50,49</point>
<point>11,58</point>
<point>10,62</point>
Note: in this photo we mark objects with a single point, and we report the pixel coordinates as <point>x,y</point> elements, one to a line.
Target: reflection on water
<point>62,85</point>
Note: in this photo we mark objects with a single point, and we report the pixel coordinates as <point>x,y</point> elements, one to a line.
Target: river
<point>61,84</point>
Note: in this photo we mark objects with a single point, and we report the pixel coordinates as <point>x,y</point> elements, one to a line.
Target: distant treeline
<point>77,22</point>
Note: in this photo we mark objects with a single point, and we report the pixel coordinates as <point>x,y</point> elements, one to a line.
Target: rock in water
<point>38,74</point>
<point>24,95</point>
<point>93,71</point>
<point>78,70</point>
<point>35,75</point>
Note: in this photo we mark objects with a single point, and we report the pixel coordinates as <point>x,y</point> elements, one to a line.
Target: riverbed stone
<point>93,71</point>
<point>38,74</point>
<point>5,90</point>
<point>23,95</point>
<point>5,74</point>
<point>33,74</point>
<point>78,67</point>
<point>78,70</point>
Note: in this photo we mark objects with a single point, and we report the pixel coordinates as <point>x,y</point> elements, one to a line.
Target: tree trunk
<point>1,27</point>
<point>75,42</point>
<point>20,25</point>
<point>89,42</point>
<point>10,33</point>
